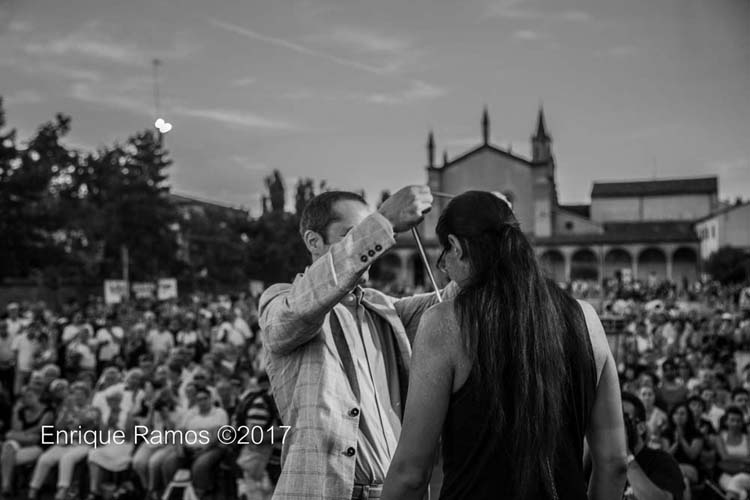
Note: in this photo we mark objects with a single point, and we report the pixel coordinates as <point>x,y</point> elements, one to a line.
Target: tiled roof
<point>657,187</point>
<point>631,232</point>
<point>579,209</point>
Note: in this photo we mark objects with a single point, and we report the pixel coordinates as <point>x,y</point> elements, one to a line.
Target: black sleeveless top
<point>475,465</point>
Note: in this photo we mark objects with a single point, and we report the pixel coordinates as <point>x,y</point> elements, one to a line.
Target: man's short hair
<point>318,213</point>
<point>640,410</point>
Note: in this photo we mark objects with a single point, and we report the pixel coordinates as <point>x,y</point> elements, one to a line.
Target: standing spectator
<point>160,341</point>
<point>14,322</point>
<point>7,357</point>
<point>25,345</point>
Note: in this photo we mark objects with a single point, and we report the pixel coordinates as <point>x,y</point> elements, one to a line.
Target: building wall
<point>731,228</point>
<point>636,208</point>
<point>568,223</point>
<point>490,171</point>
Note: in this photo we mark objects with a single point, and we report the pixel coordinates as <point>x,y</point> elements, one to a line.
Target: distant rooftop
<point>582,209</point>
<point>656,187</point>
<point>631,232</point>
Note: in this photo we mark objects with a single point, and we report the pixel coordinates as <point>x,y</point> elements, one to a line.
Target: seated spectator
<point>203,457</point>
<point>734,452</point>
<point>108,455</point>
<point>76,413</point>
<point>149,459</point>
<point>713,412</point>
<point>23,441</point>
<point>683,441</point>
<point>672,389</point>
<point>651,473</point>
<point>741,399</point>
<point>656,419</point>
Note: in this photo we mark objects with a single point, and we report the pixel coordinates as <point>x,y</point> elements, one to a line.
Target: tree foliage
<point>729,265</point>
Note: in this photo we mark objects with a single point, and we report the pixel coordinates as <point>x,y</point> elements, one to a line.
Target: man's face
<point>348,213</point>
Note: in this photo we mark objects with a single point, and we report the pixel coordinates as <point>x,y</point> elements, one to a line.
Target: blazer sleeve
<point>290,315</point>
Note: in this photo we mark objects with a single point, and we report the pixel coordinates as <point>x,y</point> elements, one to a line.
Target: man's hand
<point>406,208</point>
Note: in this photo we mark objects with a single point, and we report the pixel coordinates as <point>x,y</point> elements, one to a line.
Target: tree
<point>120,205</point>
<point>276,192</point>
<point>29,202</point>
<point>305,193</point>
<point>729,265</point>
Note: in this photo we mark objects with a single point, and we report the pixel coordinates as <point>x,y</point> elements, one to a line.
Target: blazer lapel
<point>375,303</point>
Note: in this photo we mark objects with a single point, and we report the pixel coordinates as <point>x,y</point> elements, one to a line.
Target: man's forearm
<point>292,315</point>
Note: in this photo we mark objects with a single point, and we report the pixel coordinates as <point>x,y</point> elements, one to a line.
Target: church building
<point>638,228</point>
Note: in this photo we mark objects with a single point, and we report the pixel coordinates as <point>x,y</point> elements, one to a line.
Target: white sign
<point>115,291</point>
<point>167,289</point>
<point>144,290</point>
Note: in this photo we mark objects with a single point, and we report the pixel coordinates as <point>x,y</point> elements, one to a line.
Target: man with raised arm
<point>338,354</point>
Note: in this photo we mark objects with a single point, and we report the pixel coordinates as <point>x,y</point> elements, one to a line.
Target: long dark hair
<point>513,321</point>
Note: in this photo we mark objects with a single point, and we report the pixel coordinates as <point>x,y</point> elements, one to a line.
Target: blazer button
<point>363,258</point>
<point>353,412</point>
<point>378,248</point>
<point>350,452</point>
<point>371,253</point>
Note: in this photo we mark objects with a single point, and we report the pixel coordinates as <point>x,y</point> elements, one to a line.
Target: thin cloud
<point>250,164</point>
<point>367,41</point>
<point>527,35</point>
<point>243,82</point>
<point>298,48</point>
<point>94,43</point>
<point>27,96</point>
<point>418,91</point>
<point>516,10</point>
<point>111,97</point>
<point>236,118</point>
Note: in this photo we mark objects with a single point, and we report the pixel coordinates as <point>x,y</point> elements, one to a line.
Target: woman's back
<point>476,461</point>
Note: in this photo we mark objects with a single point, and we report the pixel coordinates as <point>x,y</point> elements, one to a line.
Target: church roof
<point>581,209</point>
<point>630,232</point>
<point>541,126</point>
<point>656,187</point>
<point>492,148</point>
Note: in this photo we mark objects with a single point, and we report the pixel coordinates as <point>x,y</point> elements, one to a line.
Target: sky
<point>347,90</point>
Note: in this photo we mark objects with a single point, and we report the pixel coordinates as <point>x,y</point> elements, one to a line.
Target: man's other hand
<point>406,208</point>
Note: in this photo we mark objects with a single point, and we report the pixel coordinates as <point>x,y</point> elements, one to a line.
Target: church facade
<point>638,229</point>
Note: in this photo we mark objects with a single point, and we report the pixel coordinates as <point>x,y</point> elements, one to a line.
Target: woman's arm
<point>430,388</point>
<point>606,437</point>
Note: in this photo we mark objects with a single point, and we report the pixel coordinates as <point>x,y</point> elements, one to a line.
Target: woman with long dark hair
<point>512,372</point>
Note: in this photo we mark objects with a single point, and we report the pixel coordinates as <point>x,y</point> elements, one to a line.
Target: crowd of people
<point>159,365</point>
<point>683,352</point>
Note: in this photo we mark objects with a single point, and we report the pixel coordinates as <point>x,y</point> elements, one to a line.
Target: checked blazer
<point>305,365</point>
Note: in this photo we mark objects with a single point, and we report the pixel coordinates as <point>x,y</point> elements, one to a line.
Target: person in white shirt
<point>14,321</point>
<point>25,345</point>
<point>160,342</point>
<point>205,417</point>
